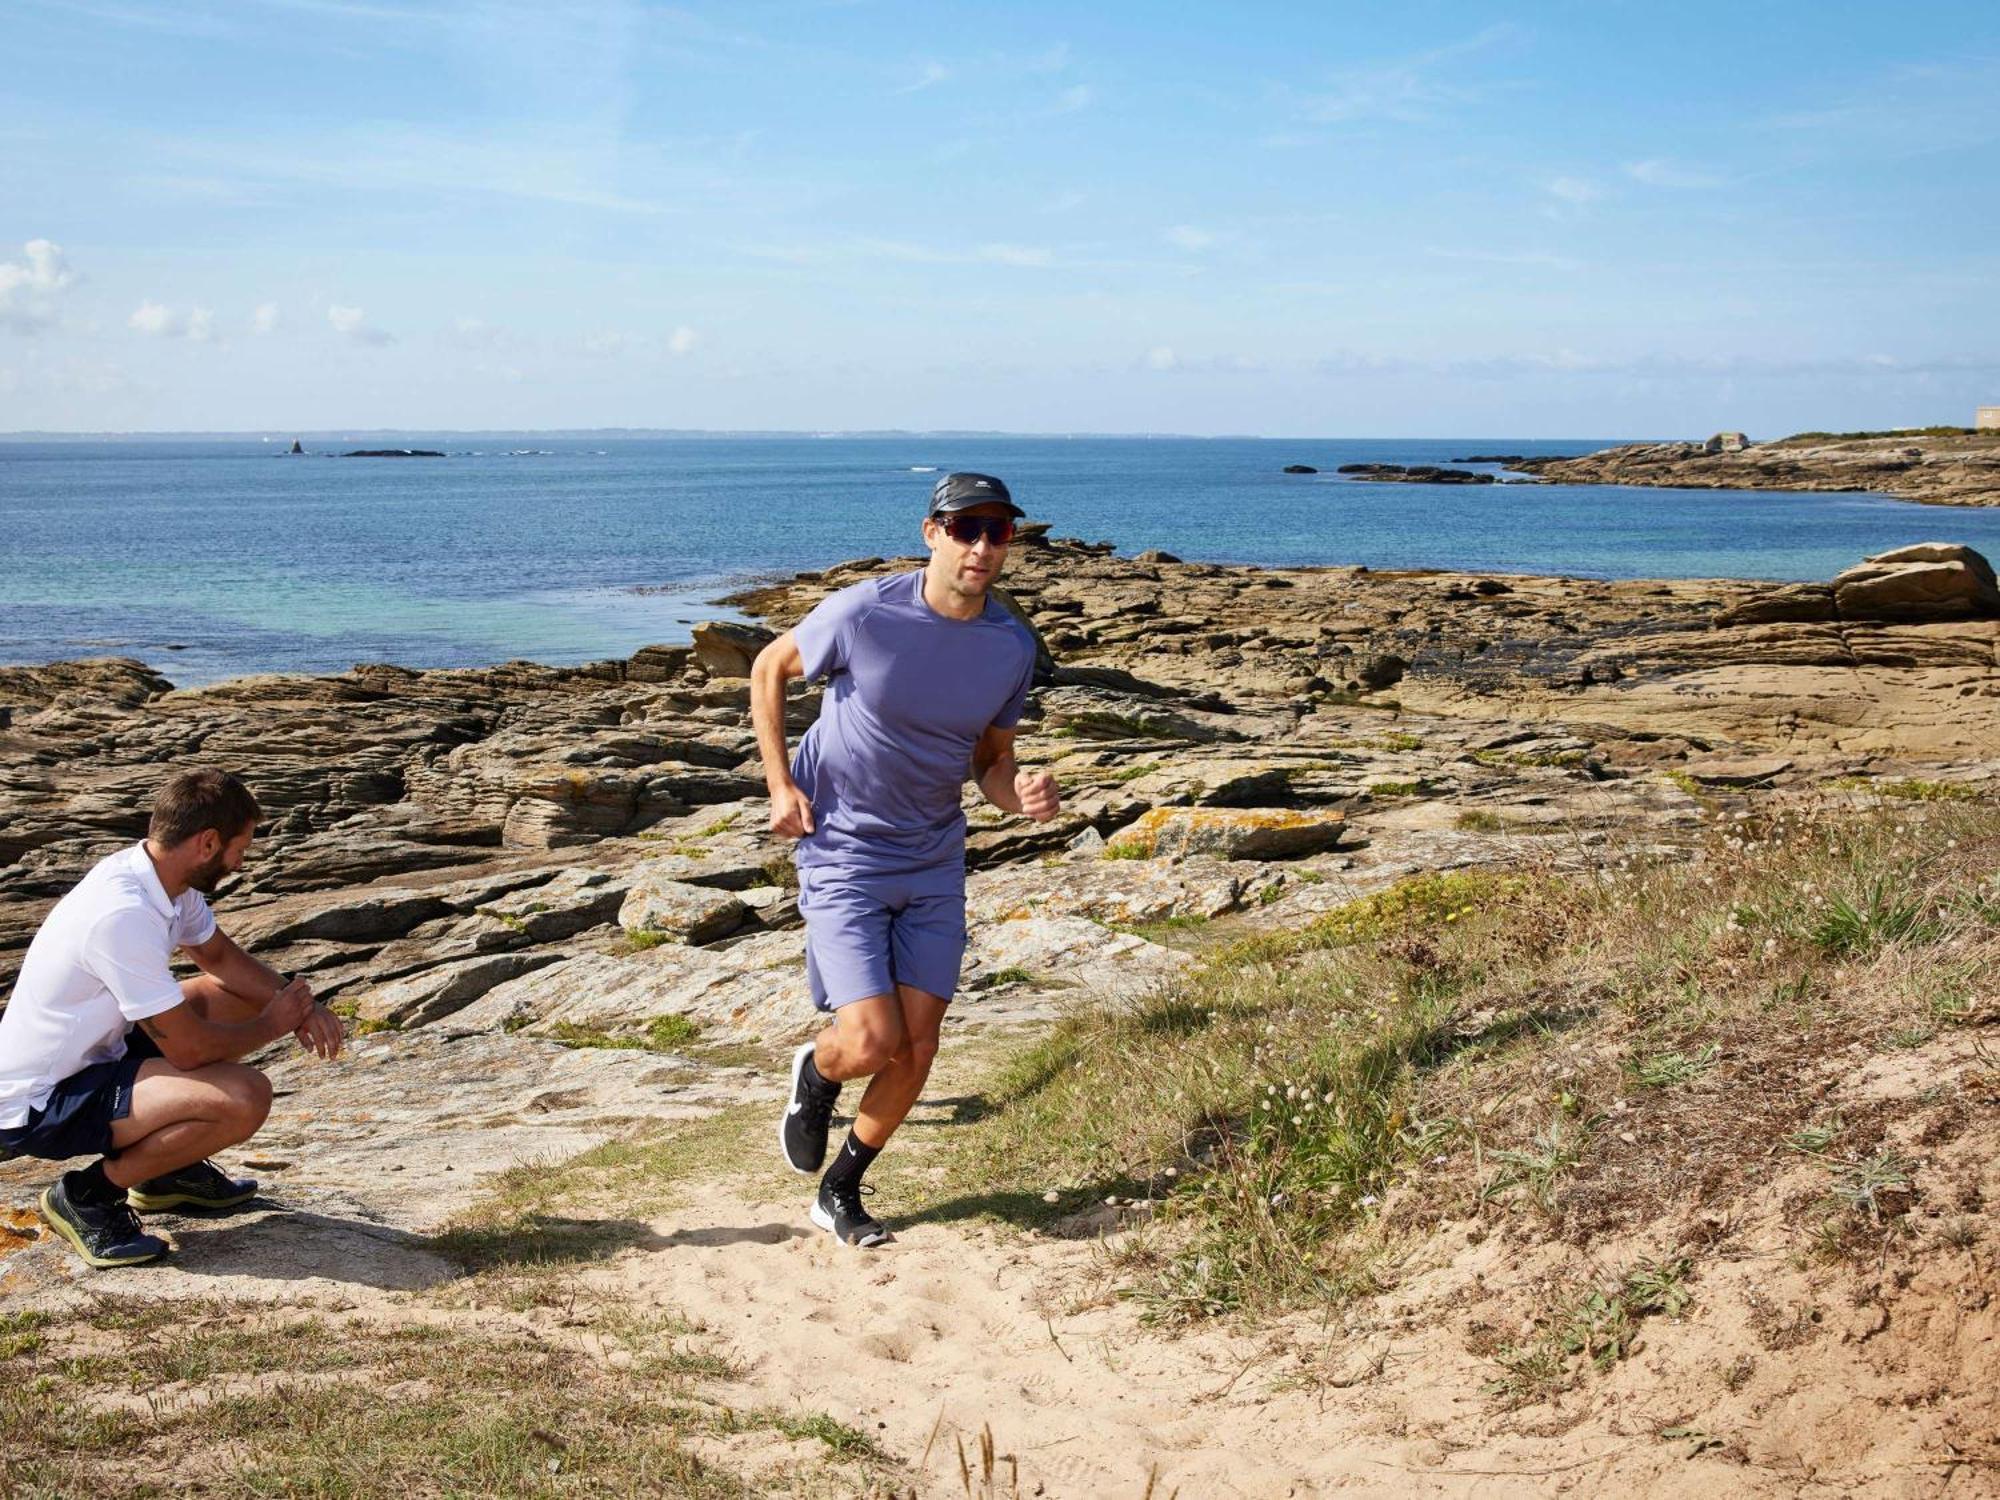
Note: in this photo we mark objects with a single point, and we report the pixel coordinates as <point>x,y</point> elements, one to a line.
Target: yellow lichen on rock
<point>1229,832</point>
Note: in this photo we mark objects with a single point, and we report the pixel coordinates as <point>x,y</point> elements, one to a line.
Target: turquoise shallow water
<point>211,559</point>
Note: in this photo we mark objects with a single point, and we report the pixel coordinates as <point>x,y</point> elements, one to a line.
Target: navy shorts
<point>865,934</point>
<point>76,1121</point>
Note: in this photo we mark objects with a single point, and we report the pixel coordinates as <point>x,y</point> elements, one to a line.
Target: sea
<point>210,559</point>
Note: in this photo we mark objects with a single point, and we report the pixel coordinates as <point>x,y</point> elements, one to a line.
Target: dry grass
<point>155,1398</point>
<point>1596,1053</point>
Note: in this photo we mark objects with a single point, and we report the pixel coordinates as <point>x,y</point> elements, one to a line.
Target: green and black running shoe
<point>202,1185</point>
<point>103,1233</point>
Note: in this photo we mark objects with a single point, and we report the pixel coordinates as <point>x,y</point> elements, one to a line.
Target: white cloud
<point>1657,172</point>
<point>1574,189</point>
<point>682,340</point>
<point>29,286</point>
<point>1187,237</point>
<point>157,320</point>
<point>934,73</point>
<point>473,333</point>
<point>153,318</point>
<point>1077,96</point>
<point>1406,90</point>
<point>607,343</point>
<point>1544,259</point>
<point>1016,255</point>
<point>352,323</point>
<point>265,320</point>
<point>1162,358</point>
<point>1052,61</point>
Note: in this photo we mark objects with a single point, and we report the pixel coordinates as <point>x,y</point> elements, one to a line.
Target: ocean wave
<point>923,468</point>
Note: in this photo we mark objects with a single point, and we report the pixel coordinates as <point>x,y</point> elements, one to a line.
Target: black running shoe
<point>104,1234</point>
<point>202,1185</point>
<point>802,1128</point>
<point>838,1210</point>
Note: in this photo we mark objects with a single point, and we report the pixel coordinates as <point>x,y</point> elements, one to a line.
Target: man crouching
<point>75,1081</point>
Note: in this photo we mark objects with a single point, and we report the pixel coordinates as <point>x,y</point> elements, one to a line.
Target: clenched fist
<point>1039,798</point>
<point>791,812</point>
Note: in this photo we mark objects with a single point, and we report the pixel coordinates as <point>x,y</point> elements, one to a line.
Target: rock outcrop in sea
<point>1948,468</point>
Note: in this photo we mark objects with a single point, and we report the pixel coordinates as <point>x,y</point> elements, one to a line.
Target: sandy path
<point>954,1328</point>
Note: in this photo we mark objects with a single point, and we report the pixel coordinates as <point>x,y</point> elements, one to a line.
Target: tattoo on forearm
<point>149,1028</point>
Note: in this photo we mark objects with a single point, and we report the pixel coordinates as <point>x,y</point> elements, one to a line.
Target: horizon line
<point>276,434</point>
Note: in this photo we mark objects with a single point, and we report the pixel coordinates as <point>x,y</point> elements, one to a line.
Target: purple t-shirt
<point>909,692</point>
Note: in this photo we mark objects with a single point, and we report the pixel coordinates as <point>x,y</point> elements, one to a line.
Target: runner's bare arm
<point>776,665</point>
<point>1005,784</point>
<point>188,1040</point>
<point>240,974</point>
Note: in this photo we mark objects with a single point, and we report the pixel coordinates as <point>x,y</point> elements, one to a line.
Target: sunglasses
<point>967,530</point>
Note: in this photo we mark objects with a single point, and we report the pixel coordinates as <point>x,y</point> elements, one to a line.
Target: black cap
<point>963,491</point>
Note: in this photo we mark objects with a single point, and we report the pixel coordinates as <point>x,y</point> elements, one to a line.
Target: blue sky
<point>1591,218</point>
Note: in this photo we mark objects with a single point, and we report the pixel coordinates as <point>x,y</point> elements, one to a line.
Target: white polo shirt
<point>98,964</point>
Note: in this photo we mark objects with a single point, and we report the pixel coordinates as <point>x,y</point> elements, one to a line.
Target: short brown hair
<point>194,801</point>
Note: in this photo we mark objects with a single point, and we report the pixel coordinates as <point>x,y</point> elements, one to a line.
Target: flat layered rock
<point>676,912</point>
<point>1230,833</point>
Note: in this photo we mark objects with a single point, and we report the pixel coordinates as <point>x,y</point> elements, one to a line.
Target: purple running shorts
<point>865,934</point>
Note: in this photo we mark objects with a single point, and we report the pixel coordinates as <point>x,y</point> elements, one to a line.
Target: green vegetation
<point>1594,1329</point>
<point>1299,1103</point>
<point>1891,432</point>
<point>1908,789</point>
<point>1671,1068</point>
<point>841,1440</point>
<point>1397,788</point>
<point>662,1034</point>
<point>1130,773</point>
<point>1552,759</point>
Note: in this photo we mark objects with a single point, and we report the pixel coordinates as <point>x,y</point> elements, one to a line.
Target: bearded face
<point>208,875</point>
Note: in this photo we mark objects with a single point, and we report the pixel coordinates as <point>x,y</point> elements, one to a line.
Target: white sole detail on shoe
<point>824,1220</point>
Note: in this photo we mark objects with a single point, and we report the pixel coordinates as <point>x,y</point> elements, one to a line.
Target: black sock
<point>854,1159</point>
<point>811,1077</point>
<point>90,1185</point>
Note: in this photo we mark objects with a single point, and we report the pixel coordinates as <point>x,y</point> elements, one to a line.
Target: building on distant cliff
<point>1988,419</point>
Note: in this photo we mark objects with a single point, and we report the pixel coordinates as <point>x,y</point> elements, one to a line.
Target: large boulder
<point>1230,833</point>
<point>1792,603</point>
<point>657,663</point>
<point>1928,581</point>
<point>1099,714</point>
<point>435,993</point>
<point>725,648</point>
<point>676,912</point>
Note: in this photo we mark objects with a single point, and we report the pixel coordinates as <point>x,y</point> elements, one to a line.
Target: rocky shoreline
<point>1960,468</point>
<point>547,898</point>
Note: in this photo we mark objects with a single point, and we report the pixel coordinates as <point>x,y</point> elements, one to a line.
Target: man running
<point>151,1106</point>
<point>926,678</point>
